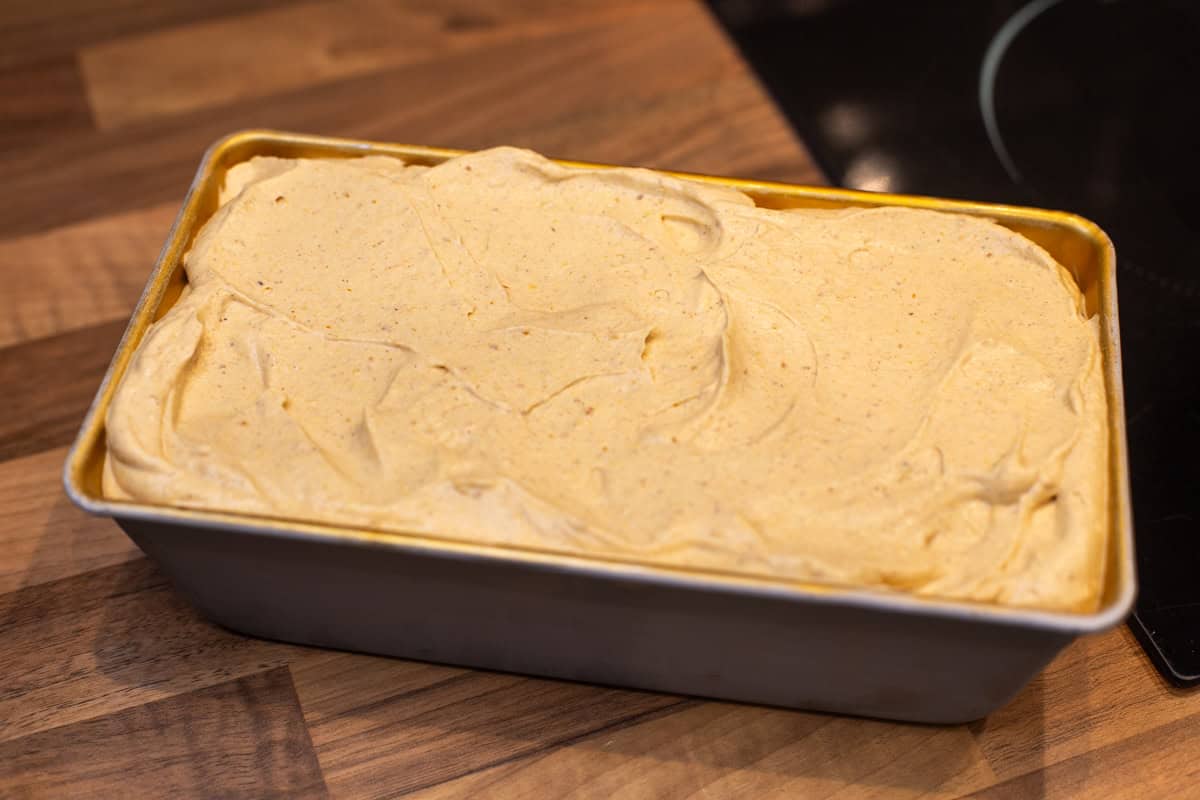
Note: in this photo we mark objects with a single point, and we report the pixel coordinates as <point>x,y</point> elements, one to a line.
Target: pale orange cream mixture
<point>617,362</point>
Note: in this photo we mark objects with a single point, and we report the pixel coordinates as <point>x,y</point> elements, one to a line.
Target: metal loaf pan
<point>737,637</point>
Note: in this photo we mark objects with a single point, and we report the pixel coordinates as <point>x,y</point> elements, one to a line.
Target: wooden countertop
<point>110,685</point>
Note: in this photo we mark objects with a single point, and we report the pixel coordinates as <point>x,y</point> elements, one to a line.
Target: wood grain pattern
<point>308,45</point>
<point>728,750</point>
<point>55,379</point>
<point>42,536</point>
<point>107,640</point>
<point>466,723</point>
<point>505,91</point>
<point>45,100</point>
<point>32,30</point>
<point>243,738</point>
<point>112,685</point>
<point>79,275</point>
<point>1134,766</point>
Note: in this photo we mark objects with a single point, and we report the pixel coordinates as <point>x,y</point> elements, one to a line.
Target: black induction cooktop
<point>1081,105</point>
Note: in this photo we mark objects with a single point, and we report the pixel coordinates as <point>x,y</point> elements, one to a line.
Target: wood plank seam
<point>535,755</point>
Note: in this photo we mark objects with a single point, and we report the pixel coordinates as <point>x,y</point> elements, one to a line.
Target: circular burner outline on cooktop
<point>1132,196</point>
<point>990,68</point>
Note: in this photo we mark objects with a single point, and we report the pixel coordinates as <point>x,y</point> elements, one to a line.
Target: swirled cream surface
<point>617,362</point>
